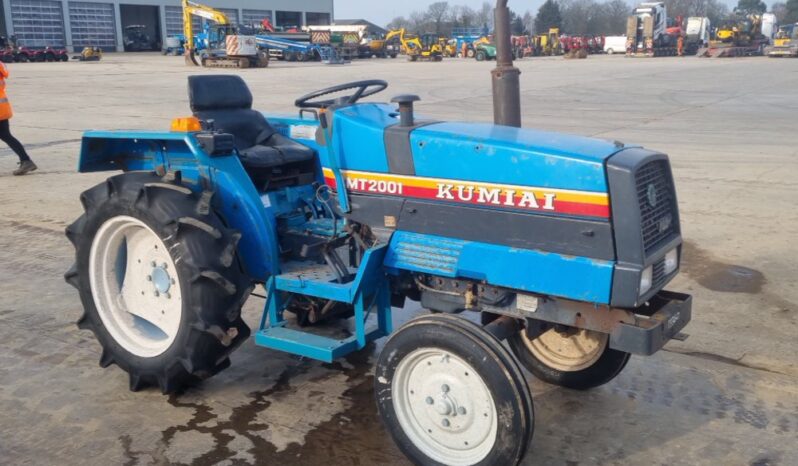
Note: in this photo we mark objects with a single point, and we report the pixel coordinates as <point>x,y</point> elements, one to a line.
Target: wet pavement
<point>728,395</point>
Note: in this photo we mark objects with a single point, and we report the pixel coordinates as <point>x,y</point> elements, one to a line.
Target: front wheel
<point>573,358</point>
<point>481,56</point>
<point>159,280</point>
<point>450,393</point>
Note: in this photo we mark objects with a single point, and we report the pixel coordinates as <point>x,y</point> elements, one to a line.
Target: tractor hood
<point>370,139</point>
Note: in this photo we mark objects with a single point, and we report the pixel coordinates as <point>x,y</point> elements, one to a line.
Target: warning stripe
<point>512,197</point>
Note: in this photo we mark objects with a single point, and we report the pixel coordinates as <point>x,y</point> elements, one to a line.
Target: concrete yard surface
<point>727,395</point>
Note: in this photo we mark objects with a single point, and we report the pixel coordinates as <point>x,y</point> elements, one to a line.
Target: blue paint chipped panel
<point>529,270</point>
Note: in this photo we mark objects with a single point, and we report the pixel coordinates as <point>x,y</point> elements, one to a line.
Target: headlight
<point>645,280</point>
<point>671,261</point>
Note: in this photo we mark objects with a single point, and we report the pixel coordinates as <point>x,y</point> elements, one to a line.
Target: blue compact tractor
<point>560,245</point>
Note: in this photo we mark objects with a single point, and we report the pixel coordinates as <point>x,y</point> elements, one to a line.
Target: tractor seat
<point>227,101</point>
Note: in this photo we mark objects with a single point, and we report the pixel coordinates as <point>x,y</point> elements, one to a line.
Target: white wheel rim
<point>567,352</point>
<point>444,407</point>
<point>135,286</point>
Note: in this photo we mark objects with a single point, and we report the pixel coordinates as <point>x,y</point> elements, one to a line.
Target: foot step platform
<point>365,288</point>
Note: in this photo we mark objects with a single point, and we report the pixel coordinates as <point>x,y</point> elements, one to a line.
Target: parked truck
<point>647,32</point>
<point>697,34</point>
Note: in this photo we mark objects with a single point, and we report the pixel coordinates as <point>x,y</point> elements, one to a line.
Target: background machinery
<point>224,47</point>
<point>299,51</point>
<point>425,47</point>
<point>739,36</point>
<point>349,209</point>
<point>785,43</point>
<point>549,43</point>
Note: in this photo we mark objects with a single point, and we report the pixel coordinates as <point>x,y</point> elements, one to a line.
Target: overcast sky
<point>381,12</point>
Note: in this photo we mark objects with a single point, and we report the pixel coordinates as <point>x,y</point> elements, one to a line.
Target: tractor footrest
<point>310,345</point>
<point>317,280</point>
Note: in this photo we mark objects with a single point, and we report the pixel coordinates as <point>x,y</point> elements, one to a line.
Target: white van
<point>614,44</point>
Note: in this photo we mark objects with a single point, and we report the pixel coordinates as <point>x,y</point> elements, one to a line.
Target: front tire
<point>481,56</point>
<point>576,358</point>
<point>159,280</point>
<point>450,393</point>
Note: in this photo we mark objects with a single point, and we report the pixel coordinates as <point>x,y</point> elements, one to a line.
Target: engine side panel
<point>571,277</point>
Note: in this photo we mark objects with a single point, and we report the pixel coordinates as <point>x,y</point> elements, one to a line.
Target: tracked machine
<point>352,210</point>
<point>225,46</point>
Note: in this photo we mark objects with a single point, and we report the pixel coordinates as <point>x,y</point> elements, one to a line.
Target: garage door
<point>232,14</point>
<point>254,17</point>
<point>38,23</point>
<point>174,21</point>
<point>92,24</point>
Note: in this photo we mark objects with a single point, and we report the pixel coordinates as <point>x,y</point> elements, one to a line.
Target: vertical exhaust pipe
<point>505,77</point>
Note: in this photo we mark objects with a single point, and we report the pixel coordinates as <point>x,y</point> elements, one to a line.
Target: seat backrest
<point>227,101</point>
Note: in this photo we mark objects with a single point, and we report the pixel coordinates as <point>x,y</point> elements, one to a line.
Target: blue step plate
<point>309,345</point>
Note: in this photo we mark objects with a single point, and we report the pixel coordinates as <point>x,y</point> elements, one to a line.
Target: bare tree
<point>437,12</point>
<point>529,22</point>
<point>485,16</point>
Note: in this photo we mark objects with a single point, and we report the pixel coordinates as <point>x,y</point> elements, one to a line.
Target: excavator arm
<point>196,9</point>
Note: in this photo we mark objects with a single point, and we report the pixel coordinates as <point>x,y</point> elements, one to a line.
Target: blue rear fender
<point>238,202</point>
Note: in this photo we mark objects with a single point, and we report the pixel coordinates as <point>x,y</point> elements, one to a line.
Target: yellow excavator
<point>426,47</point>
<point>549,43</point>
<point>220,45</point>
<point>741,31</point>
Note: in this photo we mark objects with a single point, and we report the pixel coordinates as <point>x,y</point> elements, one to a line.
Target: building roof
<point>373,28</point>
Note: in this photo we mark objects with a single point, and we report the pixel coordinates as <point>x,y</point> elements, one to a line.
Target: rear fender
<point>236,200</point>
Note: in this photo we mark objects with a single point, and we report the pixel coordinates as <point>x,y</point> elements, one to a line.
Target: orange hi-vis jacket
<point>5,105</point>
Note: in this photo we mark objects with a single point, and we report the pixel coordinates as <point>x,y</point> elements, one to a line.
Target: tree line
<point>576,17</point>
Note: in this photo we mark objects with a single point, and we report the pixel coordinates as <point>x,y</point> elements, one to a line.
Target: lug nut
<point>445,423</point>
<point>153,264</point>
<point>149,278</point>
<point>164,266</point>
<point>445,388</point>
<point>157,294</point>
<point>168,296</point>
<point>461,410</point>
<point>430,400</point>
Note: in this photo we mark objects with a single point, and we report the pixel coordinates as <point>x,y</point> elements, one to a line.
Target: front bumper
<point>643,330</point>
<point>670,313</point>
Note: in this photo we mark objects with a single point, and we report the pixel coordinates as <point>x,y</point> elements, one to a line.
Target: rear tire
<point>579,359</point>
<point>450,393</point>
<point>135,226</point>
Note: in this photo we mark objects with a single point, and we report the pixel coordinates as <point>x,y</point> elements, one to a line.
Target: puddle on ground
<point>719,276</point>
<point>351,436</point>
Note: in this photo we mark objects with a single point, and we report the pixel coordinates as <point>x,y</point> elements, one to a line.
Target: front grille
<point>657,200</point>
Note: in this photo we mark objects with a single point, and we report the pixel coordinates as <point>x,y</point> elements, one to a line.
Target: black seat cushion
<point>227,101</point>
<point>275,151</point>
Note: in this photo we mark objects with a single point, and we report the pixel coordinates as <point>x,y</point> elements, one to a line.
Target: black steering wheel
<point>364,89</point>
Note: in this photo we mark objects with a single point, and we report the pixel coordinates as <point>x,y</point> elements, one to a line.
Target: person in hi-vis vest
<point>26,165</point>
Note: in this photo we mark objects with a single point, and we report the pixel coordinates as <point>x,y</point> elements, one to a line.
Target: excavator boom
<point>196,9</point>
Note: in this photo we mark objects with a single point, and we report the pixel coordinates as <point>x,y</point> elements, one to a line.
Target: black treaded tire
<point>208,270</point>
<point>606,368</point>
<point>495,364</point>
<point>481,55</point>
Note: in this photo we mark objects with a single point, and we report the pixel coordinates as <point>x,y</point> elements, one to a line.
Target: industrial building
<point>76,24</point>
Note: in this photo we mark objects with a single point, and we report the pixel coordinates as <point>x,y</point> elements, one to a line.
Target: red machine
<point>523,46</point>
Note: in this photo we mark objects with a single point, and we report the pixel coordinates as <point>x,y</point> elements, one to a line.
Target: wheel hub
<point>446,406</point>
<point>161,279</point>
